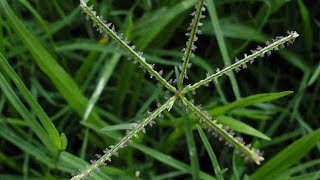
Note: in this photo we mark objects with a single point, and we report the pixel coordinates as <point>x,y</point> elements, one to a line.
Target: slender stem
<point>245,60</point>
<point>222,132</point>
<point>190,44</point>
<point>126,139</point>
<point>104,27</point>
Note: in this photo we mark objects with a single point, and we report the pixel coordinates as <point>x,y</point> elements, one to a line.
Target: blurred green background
<point>61,58</point>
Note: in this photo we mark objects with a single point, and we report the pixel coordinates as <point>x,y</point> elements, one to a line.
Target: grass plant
<point>151,113</point>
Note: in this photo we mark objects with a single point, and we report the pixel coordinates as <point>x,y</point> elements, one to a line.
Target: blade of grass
<point>307,28</point>
<point>211,154</point>
<point>106,73</point>
<point>49,127</point>
<point>314,76</point>
<point>248,101</point>
<point>301,168</point>
<point>37,16</point>
<point>169,160</point>
<point>37,151</point>
<point>59,77</point>
<point>287,157</point>
<point>27,116</point>
<point>192,149</point>
<point>241,127</point>
<point>222,45</point>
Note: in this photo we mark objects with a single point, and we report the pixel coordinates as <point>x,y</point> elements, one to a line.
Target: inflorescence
<point>223,133</point>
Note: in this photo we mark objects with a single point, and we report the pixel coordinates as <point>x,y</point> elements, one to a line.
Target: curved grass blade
<point>49,127</point>
<point>287,157</point>
<point>59,77</point>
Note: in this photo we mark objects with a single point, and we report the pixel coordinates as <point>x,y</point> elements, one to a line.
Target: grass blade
<point>169,161</point>
<point>107,71</point>
<point>287,157</point>
<point>212,156</point>
<point>192,149</point>
<point>49,127</point>
<point>241,127</point>
<point>222,45</point>
<point>26,115</point>
<point>248,101</point>
<point>59,77</point>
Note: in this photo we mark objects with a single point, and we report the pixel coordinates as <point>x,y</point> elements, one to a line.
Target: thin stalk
<point>253,154</point>
<point>192,39</point>
<point>273,46</point>
<point>125,140</point>
<point>109,30</point>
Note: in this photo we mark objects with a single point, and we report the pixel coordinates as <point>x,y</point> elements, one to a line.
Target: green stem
<point>250,153</point>
<point>245,60</point>
<point>104,27</point>
<point>190,44</point>
<point>125,140</point>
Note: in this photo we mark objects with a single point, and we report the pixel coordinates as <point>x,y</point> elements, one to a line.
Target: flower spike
<point>109,29</point>
<point>223,133</point>
<point>126,140</point>
<point>259,52</point>
<point>188,51</point>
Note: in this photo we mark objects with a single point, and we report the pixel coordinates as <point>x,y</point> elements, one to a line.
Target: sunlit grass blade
<point>107,71</point>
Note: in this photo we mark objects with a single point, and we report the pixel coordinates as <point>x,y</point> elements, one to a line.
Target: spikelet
<point>126,140</point>
<point>223,133</point>
<point>276,44</point>
<point>188,52</point>
<point>108,29</point>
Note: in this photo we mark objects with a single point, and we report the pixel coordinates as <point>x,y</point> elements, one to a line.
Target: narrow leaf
<point>248,101</point>
<point>212,156</point>
<point>287,157</point>
<point>241,127</point>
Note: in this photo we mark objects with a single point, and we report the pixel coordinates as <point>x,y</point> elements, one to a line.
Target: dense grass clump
<point>68,90</point>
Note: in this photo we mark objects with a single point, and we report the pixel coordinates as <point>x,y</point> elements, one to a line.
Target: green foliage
<point>287,157</point>
<point>52,61</point>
